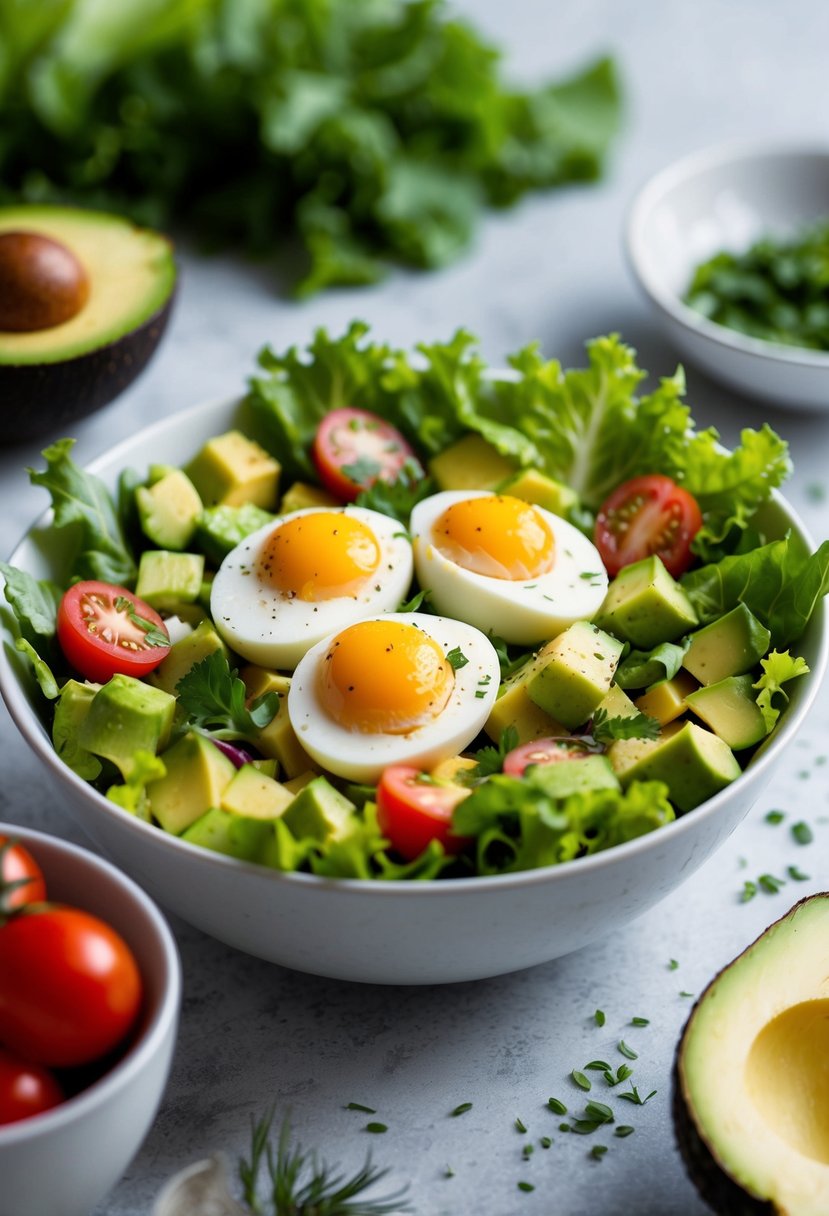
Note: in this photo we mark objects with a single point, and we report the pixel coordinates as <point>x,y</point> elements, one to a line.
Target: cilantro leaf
<point>212,698</point>
<point>491,759</point>
<point>632,726</point>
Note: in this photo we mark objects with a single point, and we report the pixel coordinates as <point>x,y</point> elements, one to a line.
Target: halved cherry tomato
<point>412,812</point>
<point>21,878</point>
<point>105,630</point>
<point>25,1089</point>
<point>354,448</point>
<point>542,751</point>
<point>648,515</point>
<point>70,988</point>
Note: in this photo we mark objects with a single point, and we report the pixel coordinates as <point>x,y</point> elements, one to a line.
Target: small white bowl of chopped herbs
<point>731,246</point>
<point>431,681</point>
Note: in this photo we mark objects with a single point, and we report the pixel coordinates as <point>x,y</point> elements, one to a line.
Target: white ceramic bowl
<point>389,932</point>
<point>727,198</point>
<point>64,1162</point>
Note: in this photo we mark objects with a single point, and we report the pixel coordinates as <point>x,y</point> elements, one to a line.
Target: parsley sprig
<point>633,726</point>
<point>212,698</point>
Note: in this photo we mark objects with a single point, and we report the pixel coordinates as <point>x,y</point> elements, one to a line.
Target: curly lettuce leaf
<point>82,504</point>
<point>778,669</point>
<point>518,826</point>
<point>779,582</point>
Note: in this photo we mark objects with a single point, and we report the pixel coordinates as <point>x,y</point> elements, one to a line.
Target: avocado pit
<point>42,282</point>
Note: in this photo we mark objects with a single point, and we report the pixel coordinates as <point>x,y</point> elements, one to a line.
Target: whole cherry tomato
<point>25,1089</point>
<point>21,878</point>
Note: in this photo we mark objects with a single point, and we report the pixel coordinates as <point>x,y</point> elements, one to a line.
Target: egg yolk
<point>496,535</point>
<point>319,556</point>
<point>384,677</point>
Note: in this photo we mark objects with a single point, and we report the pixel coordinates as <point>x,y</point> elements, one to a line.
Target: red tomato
<point>412,812</point>
<point>70,988</point>
<point>25,1089</point>
<point>21,878</point>
<point>354,448</point>
<point>648,515</point>
<point>105,630</point>
<point>542,751</point>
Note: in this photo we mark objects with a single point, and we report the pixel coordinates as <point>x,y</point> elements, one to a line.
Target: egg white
<point>266,626</point>
<point>362,756</point>
<point>523,611</point>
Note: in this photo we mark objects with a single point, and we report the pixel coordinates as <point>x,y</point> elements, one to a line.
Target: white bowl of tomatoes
<point>90,988</point>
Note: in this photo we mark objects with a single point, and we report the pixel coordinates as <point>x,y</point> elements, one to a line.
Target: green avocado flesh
<point>131,275</point>
<point>753,1074</point>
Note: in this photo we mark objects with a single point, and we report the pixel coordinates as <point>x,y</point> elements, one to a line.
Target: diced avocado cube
<point>729,646</point>
<point>576,776</point>
<point>126,716</point>
<point>531,486</point>
<point>238,836</point>
<point>168,510</point>
<point>666,699</point>
<point>319,811</point>
<point>278,739</point>
<point>71,709</point>
<point>617,704</point>
<point>730,709</point>
<point>513,707</point>
<point>576,673</point>
<point>231,470</point>
<point>167,579</point>
<point>694,763</point>
<point>471,463</point>
<point>301,495</point>
<point>269,767</point>
<point>253,793</point>
<point>644,605</point>
<point>453,770</point>
<point>197,775</point>
<point>220,529</point>
<point>185,654</point>
<point>295,784</point>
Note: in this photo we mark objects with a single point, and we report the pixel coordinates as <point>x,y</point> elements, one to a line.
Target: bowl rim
<point>37,738</point>
<point>154,1033</point>
<point>679,173</point>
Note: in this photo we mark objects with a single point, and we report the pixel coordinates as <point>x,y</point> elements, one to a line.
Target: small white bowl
<point>65,1161</point>
<point>389,932</point>
<point>726,198</point>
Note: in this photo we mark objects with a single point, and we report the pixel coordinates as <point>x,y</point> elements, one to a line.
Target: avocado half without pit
<point>751,1079</point>
<point>84,300</point>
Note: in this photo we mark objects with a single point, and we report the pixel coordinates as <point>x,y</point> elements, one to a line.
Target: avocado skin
<point>40,399</point>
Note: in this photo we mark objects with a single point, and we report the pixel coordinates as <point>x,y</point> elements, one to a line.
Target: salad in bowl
<point>394,624</point>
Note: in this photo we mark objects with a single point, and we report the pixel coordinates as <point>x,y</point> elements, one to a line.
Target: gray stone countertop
<point>254,1035</point>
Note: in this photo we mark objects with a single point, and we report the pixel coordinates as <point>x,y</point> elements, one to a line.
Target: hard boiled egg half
<point>505,565</point>
<point>404,688</point>
<point>295,581</point>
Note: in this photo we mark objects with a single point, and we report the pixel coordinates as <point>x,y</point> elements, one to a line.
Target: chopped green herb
<point>598,1151</point>
<point>449,1172</point>
<point>640,1021</point>
<point>585,1127</point>
<point>599,1018</point>
<point>520,1126</point>
<point>376,1129</point>
<point>622,1073</point>
<point>580,1079</point>
<point>557,1107</point>
<point>802,833</point>
<point>564,1127</point>
<point>526,1186</point>
<point>598,1065</point>
<point>815,492</point>
<point>599,1112</point>
<point>417,601</point>
<point>527,1151</point>
<point>748,892</point>
<point>632,1095</point>
<point>688,994</point>
<point>775,817</point>
<point>797,875</point>
<point>624,1129</point>
<point>627,1051</point>
<point>456,658</point>
<point>461,1110</point>
<point>673,965</point>
<point>545,1142</point>
<point>605,729</point>
<point>771,884</point>
<point>368,1110</point>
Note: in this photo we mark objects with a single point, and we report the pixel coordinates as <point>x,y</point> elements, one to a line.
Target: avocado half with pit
<point>84,300</point>
<point>751,1079</point>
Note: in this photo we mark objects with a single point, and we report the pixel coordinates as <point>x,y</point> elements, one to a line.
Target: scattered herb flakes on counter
<point>777,290</point>
<point>802,833</point>
<point>368,133</point>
